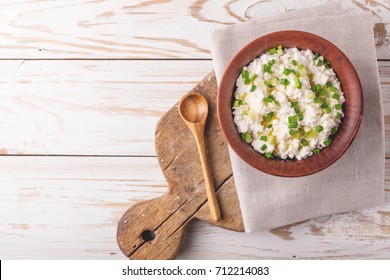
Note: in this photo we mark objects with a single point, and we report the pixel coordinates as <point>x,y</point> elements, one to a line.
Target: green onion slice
<point>237,102</point>
<point>246,136</point>
<point>298,83</point>
<point>272,51</point>
<point>305,142</point>
<point>319,128</point>
<point>245,74</point>
<point>327,142</point>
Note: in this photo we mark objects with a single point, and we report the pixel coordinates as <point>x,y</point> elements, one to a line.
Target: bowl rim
<point>347,131</point>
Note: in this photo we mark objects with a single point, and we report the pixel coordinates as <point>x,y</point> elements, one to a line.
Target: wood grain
<point>94,107</point>
<point>142,28</point>
<point>68,208</point>
<point>164,219</point>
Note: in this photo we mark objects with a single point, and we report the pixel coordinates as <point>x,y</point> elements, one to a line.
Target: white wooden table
<point>82,86</point>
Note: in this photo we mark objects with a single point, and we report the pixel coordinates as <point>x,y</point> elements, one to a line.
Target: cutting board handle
<point>153,229</point>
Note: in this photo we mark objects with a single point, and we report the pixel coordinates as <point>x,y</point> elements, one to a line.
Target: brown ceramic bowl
<point>353,106</point>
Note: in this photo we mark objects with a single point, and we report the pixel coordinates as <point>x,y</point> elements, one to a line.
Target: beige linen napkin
<point>356,180</point>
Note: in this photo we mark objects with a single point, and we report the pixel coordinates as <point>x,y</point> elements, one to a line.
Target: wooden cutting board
<point>154,229</point>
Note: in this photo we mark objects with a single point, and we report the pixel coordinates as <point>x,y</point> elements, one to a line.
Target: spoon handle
<point>210,190</point>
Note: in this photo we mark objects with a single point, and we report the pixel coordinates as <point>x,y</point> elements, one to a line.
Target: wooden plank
<point>68,208</point>
<point>90,107</point>
<point>141,28</point>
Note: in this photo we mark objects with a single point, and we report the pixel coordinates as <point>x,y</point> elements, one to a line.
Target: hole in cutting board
<point>147,235</point>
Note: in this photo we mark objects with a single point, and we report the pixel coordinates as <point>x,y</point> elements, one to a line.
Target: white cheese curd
<point>288,103</point>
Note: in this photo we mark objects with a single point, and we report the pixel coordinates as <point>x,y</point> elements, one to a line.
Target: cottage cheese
<point>288,103</point>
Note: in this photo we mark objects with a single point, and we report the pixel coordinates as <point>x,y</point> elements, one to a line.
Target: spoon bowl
<point>193,108</point>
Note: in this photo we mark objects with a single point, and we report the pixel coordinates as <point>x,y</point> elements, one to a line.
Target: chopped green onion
<point>297,110</point>
<point>311,95</point>
<point>293,125</point>
<point>313,88</point>
<point>327,142</point>
<point>324,104</point>
<point>338,115</point>
<point>292,119</point>
<point>246,136</point>
<point>287,71</point>
<point>237,103</point>
<point>320,62</point>
<point>311,134</point>
<point>316,151</point>
<point>302,72</point>
<point>268,83</point>
<point>271,62</point>
<point>333,89</point>
<point>301,66</point>
<point>319,128</point>
<point>293,132</point>
<point>247,81</point>
<point>294,104</point>
<point>267,68</point>
<point>269,116</point>
<point>336,96</point>
<point>266,99</point>
<point>253,88</point>
<point>263,138</point>
<point>328,110</point>
<point>327,64</point>
<point>269,126</point>
<point>300,116</point>
<point>245,74</point>
<point>284,82</point>
<point>272,51</point>
<point>294,62</point>
<point>317,100</point>
<point>298,83</point>
<point>316,55</point>
<point>271,139</point>
<point>264,147</point>
<point>328,84</point>
<point>253,77</point>
<point>338,106</point>
<point>268,155</point>
<point>318,87</point>
<point>333,130</point>
<point>323,92</point>
<point>305,142</point>
<point>271,97</point>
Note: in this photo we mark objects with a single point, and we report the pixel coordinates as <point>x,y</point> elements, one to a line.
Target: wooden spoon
<point>193,109</point>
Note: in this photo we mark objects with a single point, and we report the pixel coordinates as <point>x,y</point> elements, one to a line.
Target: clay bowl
<point>353,106</point>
